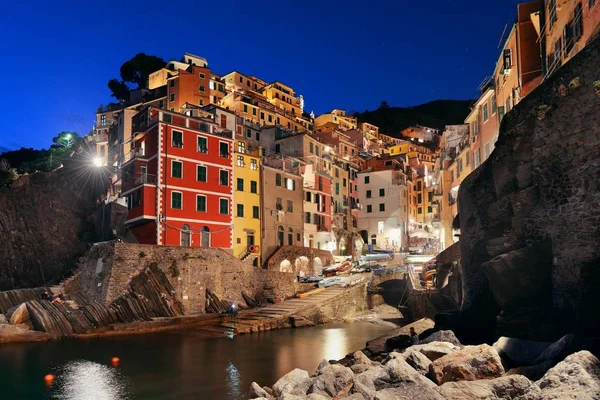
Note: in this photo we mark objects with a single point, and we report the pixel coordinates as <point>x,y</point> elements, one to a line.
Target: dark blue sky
<point>57,56</point>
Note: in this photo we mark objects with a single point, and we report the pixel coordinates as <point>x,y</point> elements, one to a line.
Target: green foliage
<point>135,72</point>
<point>142,254</point>
<point>66,139</point>
<point>119,90</point>
<point>7,177</point>
<point>435,114</point>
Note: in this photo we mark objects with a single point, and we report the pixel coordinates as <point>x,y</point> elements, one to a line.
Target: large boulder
<point>558,350</point>
<point>532,372</point>
<point>20,315</point>
<point>335,380</point>
<point>375,378</point>
<point>256,392</point>
<point>575,378</point>
<point>294,381</point>
<point>503,388</point>
<point>469,364</point>
<point>520,351</point>
<point>418,361</point>
<point>408,391</point>
<point>442,336</point>
<point>402,375</point>
<point>434,350</point>
<point>3,319</point>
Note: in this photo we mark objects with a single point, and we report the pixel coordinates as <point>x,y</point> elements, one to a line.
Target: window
<point>172,83</point>
<point>255,212</point>
<point>211,84</point>
<point>337,188</point>
<point>344,182</point>
<point>380,226</point>
<point>368,194</point>
<point>204,127</point>
<point>381,192</point>
<point>290,206</point>
<point>369,208</point>
<point>552,13</point>
<point>176,200</point>
<point>202,75</point>
<point>494,105</point>
<point>202,144</point>
<point>290,237</point>
<point>200,203</point>
<point>224,149</point>
<point>241,80</point>
<point>240,210</point>
<point>430,197</point>
<point>202,88</point>
<point>307,218</point>
<point>224,177</point>
<point>467,158</point>
<point>103,122</point>
<point>240,185</point>
<point>278,203</point>
<point>270,118</point>
<point>240,161</point>
<point>418,186</point>
<point>257,135</point>
<point>420,210</point>
<point>578,22</point>
<point>201,173</point>
<point>290,184</point>
<point>245,108</point>
<point>253,111</point>
<point>253,187</point>
<point>262,115</point>
<point>311,148</point>
<point>176,169</point>
<point>337,173</point>
<point>223,206</point>
<point>429,209</point>
<point>419,198</point>
<point>277,179</point>
<point>172,98</point>
<point>248,133</point>
<point>277,148</point>
<point>298,237</point>
<point>253,165</point>
<point>485,112</point>
<point>381,206</point>
<point>366,180</point>
<point>178,139</point>
<point>507,57</point>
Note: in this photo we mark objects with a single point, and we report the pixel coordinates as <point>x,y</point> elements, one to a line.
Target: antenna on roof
<point>502,36</point>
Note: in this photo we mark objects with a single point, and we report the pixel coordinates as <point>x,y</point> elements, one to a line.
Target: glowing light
<point>115,361</point>
<point>89,380</point>
<point>97,162</point>
<point>49,379</point>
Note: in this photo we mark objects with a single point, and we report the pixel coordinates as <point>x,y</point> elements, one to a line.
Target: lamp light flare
<point>97,162</point>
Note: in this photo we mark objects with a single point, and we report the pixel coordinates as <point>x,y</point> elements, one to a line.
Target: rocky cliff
<point>530,215</point>
<point>43,223</point>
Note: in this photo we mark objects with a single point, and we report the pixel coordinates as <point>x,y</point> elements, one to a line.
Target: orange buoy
<point>49,379</point>
<point>115,361</point>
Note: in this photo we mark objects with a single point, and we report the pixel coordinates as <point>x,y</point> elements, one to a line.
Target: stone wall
<point>299,259</point>
<point>530,215</point>
<point>108,268</point>
<point>352,302</point>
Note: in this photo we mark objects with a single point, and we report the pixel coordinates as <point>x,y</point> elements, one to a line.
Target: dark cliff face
<point>530,215</point>
<point>44,224</point>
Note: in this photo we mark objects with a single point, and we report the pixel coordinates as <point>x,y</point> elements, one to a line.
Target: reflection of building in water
<point>334,344</point>
<point>89,380</point>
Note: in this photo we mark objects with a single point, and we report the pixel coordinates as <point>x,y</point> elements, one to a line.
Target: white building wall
<point>387,227</point>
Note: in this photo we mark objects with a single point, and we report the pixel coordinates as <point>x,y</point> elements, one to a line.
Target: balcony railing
<point>134,153</point>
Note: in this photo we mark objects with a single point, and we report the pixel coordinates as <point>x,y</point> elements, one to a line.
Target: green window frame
<point>223,206</point>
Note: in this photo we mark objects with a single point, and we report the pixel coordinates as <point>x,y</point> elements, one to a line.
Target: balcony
<point>136,152</point>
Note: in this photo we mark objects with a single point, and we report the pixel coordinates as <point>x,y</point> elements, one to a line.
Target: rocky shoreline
<point>440,367</point>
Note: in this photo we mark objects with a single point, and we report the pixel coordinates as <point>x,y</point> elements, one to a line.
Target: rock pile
<point>150,295</point>
<point>440,370</point>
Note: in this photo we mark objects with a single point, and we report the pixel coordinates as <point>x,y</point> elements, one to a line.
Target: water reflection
<point>89,380</point>
<point>233,382</point>
<point>335,344</point>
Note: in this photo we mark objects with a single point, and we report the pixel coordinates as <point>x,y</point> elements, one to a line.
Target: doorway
<point>205,239</point>
<point>186,236</point>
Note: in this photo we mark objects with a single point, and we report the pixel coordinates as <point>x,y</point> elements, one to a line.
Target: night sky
<point>57,56</point>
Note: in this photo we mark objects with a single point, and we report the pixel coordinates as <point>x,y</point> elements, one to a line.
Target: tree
<point>136,72</point>
<point>7,174</point>
<point>119,90</point>
<point>384,104</point>
<point>65,139</point>
<point>138,69</point>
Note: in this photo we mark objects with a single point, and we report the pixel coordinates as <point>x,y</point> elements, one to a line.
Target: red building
<point>178,180</point>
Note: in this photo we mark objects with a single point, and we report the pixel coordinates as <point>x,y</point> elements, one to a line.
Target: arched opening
<point>280,236</point>
<point>205,242</point>
<point>186,235</point>
<point>285,266</point>
<point>290,236</point>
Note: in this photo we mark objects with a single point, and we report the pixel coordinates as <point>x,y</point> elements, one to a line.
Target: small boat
<point>375,257</point>
<point>327,282</point>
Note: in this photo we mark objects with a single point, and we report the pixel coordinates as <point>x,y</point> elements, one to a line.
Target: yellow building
<point>284,98</point>
<point>246,202</point>
<point>338,117</point>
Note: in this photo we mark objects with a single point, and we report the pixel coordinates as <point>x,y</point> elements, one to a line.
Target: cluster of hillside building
<point>235,162</point>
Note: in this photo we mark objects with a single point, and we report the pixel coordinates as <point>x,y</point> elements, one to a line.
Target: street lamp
<point>97,162</point>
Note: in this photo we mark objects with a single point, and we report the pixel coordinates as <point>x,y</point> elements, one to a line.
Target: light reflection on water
<point>172,365</point>
<point>89,380</point>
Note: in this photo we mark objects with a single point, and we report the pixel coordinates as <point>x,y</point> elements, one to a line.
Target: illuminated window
<point>380,227</point>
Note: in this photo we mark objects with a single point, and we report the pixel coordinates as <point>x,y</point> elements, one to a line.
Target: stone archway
<point>286,266</point>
